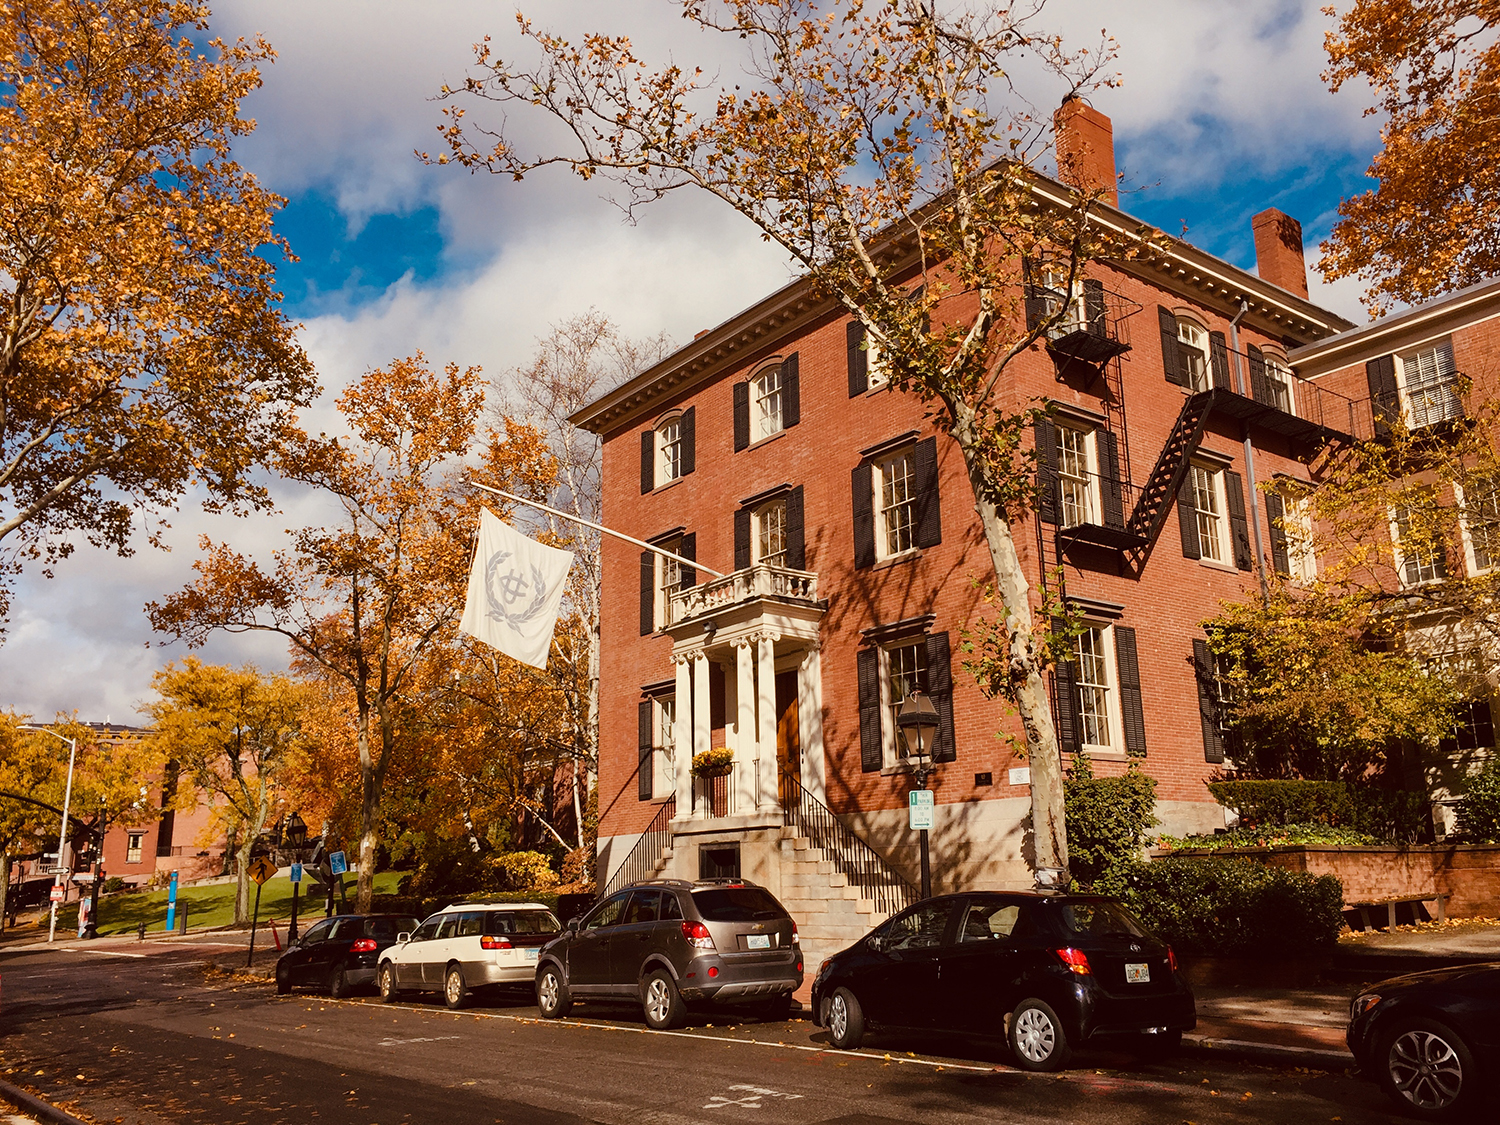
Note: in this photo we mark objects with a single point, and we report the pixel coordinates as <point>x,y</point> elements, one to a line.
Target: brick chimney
<point>1278,251</point>
<point>1085,149</point>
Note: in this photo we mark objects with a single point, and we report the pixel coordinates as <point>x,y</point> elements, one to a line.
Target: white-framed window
<point>903,670</point>
<point>668,578</point>
<point>1077,478</point>
<point>1210,509</point>
<point>1429,385</point>
<point>1056,292</point>
<point>1479,519</point>
<point>664,759</point>
<point>1417,549</point>
<point>769,533</point>
<point>1099,727</point>
<point>896,504</point>
<point>133,844</point>
<point>766,402</point>
<point>669,449</point>
<point>1301,554</point>
<point>876,372</point>
<point>1192,346</point>
<point>1279,383</point>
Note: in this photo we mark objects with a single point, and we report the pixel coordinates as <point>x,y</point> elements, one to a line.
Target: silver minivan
<point>467,946</point>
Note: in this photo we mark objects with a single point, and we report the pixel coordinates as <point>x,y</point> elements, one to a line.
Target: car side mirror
<point>876,942</point>
<point>573,924</point>
<point>402,939</point>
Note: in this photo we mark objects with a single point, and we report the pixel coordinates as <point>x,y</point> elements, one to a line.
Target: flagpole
<point>694,563</point>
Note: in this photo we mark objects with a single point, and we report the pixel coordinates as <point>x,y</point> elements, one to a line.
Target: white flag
<point>515,591</point>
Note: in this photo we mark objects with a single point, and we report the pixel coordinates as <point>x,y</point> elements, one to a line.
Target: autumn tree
<point>882,146</point>
<point>366,594</point>
<point>1432,222</point>
<point>229,731</point>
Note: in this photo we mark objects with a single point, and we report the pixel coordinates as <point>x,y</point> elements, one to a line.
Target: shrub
<point>1399,816</point>
<point>1479,811</point>
<point>1289,835</point>
<point>1236,907</point>
<point>578,867</point>
<point>524,871</point>
<point>113,884</point>
<point>1108,819</point>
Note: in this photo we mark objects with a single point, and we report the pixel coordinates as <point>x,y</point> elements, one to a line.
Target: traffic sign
<point>57,871</point>
<point>261,869</point>
<point>919,808</point>
<point>84,877</point>
<point>296,873</point>
<point>336,863</point>
<point>58,893</point>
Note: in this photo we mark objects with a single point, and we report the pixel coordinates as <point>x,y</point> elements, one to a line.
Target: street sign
<point>57,871</point>
<point>336,863</point>
<point>919,805</point>
<point>58,892</point>
<point>261,869</point>
<point>84,877</point>
<point>296,873</point>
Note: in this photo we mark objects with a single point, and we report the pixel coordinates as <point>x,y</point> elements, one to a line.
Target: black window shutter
<point>1132,713</point>
<point>1065,700</point>
<point>1110,490</point>
<point>1256,361</point>
<point>1275,515</point>
<point>862,484</point>
<point>689,434</point>
<point>1094,308</point>
<point>859,359</point>
<point>791,396</point>
<point>1171,357</point>
<point>643,768</point>
<point>1036,301</point>
<point>742,527</point>
<point>940,691</point>
<point>1187,519</point>
<point>1218,355</point>
<point>796,542</point>
<point>1046,470</point>
<point>1239,527</point>
<point>648,592</point>
<point>929,530</point>
<point>867,664</point>
<point>741,416</point>
<point>688,549</point>
<point>1380,374</point>
<point>1208,702</point>
<point>648,461</point>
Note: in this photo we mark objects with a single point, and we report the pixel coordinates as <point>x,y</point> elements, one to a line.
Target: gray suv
<point>670,943</point>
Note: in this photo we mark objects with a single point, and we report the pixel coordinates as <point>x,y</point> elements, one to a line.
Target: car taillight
<point>363,945</point>
<point>494,943</point>
<point>1171,959</point>
<point>795,939</point>
<point>697,935</point>
<point>1074,959</point>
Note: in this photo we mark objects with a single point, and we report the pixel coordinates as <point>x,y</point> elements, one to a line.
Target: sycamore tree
<point>884,148</point>
<point>229,731</point>
<point>143,352</point>
<point>366,594</point>
<point>1432,222</point>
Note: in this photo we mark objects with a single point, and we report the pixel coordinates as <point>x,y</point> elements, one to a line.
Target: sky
<point>1221,112</point>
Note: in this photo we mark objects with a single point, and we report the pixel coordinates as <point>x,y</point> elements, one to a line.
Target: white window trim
<point>661,443</point>
<point>1403,359</point>
<point>1398,557</point>
<point>1221,518</point>
<point>1301,556</point>
<point>882,535</point>
<point>758,393</point>
<point>1091,473</point>
<point>1114,720</point>
<point>663,752</point>
<point>1471,564</point>
<point>1288,380</point>
<point>890,753</point>
<point>757,518</point>
<point>659,579</point>
<point>876,375</point>
<point>1207,349</point>
<point>1054,277</point>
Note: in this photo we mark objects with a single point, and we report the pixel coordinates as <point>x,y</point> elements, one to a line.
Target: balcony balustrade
<point>759,581</point>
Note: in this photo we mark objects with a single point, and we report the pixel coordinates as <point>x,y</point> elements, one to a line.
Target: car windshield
<point>1099,918</point>
<point>737,904</point>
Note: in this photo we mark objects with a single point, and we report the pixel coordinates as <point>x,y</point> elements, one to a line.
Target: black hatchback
<point>339,954</point>
<point>1045,971</point>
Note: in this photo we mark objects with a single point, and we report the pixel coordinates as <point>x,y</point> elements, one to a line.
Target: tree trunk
<point>242,876</point>
<point>369,806</point>
<point>1048,817</point>
<point>4,885</point>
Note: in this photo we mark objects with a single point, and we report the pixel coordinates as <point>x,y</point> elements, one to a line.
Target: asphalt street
<point>144,1033</point>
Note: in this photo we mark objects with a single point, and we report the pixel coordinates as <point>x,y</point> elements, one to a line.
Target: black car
<point>1046,971</point>
<point>1429,1038</point>
<point>339,954</point>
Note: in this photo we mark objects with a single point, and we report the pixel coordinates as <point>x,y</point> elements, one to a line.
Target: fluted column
<point>682,738</point>
<point>748,756</point>
<point>702,730</point>
<point>765,699</point>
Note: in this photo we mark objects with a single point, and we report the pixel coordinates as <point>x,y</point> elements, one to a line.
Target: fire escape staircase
<point>1161,487</point>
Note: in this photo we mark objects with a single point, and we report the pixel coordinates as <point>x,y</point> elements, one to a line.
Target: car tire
<point>845,1020</point>
<point>455,988</point>
<point>1426,1068</point>
<point>1037,1038</point>
<point>661,1001</point>
<point>553,999</point>
<point>385,981</point>
<point>338,984</point>
<point>283,980</point>
<point>1157,1046</point>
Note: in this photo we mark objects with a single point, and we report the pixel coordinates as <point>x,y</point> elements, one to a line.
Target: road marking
<point>420,1039</point>
<point>101,952</point>
<point>750,1097</point>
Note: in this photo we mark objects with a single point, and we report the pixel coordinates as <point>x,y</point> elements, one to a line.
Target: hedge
<point>1400,816</point>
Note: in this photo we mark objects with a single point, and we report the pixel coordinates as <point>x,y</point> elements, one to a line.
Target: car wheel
<point>338,984</point>
<point>661,1001</point>
<point>1426,1068</point>
<point>455,991</point>
<point>385,980</point>
<point>283,980</point>
<point>553,999</point>
<point>1037,1038</point>
<point>1156,1046</point>
<point>846,1020</point>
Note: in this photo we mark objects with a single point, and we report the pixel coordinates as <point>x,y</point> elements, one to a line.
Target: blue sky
<point>1221,112</point>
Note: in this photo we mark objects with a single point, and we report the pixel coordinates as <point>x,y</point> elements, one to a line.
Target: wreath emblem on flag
<point>511,606</point>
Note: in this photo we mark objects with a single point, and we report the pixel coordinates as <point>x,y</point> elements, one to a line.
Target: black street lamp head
<point>296,831</point>
<point>918,720</point>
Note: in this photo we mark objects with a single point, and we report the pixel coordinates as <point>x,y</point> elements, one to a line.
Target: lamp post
<point>296,837</point>
<point>62,833</point>
<point>918,720</point>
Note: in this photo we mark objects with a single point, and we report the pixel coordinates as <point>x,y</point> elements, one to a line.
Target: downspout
<point>1240,379</point>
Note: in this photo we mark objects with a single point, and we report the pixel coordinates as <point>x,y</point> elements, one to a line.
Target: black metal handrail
<point>641,862</point>
<point>861,864</point>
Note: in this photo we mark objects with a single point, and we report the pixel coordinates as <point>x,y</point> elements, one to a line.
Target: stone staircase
<point>830,914</point>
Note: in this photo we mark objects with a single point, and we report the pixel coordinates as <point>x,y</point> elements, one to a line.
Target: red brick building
<point>770,450</point>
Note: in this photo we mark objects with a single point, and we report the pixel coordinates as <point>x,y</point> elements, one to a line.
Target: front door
<point>788,737</point>
<point>904,979</point>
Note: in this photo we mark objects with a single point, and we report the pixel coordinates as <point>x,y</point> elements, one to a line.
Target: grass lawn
<point>206,906</point>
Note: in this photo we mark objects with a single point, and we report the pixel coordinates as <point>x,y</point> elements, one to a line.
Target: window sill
<point>876,388</point>
<point>673,483</point>
<point>1099,754</point>
<point>897,560</point>
<point>1230,567</point>
<point>765,440</point>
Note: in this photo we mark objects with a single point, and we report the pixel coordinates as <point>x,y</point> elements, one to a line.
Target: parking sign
<point>296,873</point>
<point>919,805</point>
<point>336,863</point>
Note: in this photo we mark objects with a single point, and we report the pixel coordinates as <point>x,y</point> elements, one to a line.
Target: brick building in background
<point>771,450</point>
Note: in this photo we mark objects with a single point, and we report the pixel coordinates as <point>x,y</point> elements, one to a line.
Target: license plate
<point>758,941</point>
<point>1138,974</point>
<point>530,954</point>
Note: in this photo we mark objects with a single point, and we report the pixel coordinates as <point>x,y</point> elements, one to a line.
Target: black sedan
<point>1429,1038</point>
<point>1046,971</point>
<point>340,954</point>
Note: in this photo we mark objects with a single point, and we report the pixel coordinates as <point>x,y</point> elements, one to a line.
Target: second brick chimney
<point>1278,251</point>
<point>1086,149</point>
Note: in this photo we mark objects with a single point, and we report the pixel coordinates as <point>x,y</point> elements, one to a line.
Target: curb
<point>30,1103</point>
<point>1268,1053</point>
